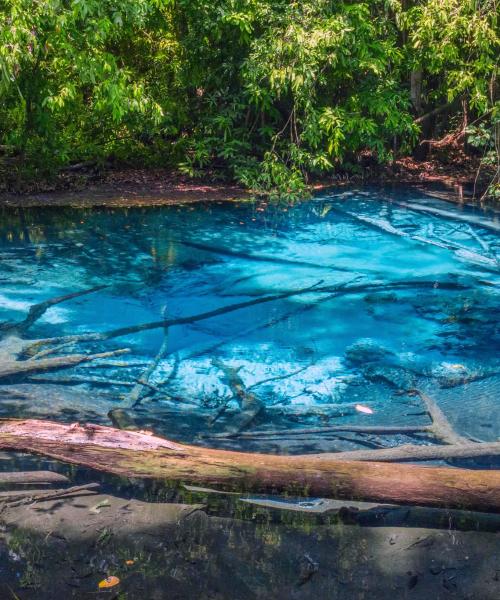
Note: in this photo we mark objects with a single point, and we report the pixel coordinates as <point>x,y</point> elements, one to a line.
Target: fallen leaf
<point>103,504</point>
<point>109,582</point>
<point>364,409</point>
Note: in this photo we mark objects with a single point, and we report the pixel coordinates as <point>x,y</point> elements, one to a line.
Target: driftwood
<point>19,498</point>
<point>138,454</point>
<point>32,477</point>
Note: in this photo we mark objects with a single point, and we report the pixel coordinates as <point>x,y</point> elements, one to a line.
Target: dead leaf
<point>103,504</point>
<point>109,582</point>
<point>364,409</point>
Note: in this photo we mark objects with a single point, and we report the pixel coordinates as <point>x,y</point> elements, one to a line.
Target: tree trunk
<point>141,454</point>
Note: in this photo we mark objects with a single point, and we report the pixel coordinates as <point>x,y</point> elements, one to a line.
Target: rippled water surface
<point>378,294</point>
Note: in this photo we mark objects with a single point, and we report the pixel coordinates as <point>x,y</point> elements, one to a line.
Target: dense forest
<point>267,93</point>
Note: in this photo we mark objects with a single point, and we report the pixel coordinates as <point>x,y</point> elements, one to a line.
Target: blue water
<point>407,299</point>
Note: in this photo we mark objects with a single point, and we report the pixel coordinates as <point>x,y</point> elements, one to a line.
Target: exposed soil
<point>128,188</point>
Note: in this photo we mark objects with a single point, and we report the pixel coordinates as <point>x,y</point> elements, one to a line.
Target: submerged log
<point>32,477</point>
<point>141,454</point>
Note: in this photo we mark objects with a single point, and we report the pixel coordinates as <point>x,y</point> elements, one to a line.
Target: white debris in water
<point>11,304</point>
<point>298,383</point>
<point>56,315</point>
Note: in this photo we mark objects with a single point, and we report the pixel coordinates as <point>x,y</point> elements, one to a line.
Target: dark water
<point>407,299</point>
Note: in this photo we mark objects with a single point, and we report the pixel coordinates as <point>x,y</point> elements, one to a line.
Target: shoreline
<point>143,188</point>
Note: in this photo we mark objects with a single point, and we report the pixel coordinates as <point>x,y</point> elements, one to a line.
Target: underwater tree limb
<point>335,290</point>
<point>376,429</point>
<point>441,427</point>
<point>257,257</point>
<point>137,392</point>
<point>21,368</point>
<point>36,311</point>
<point>416,452</point>
<point>249,403</point>
<point>137,454</point>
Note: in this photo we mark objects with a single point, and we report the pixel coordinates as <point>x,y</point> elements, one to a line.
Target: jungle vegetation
<point>268,93</point>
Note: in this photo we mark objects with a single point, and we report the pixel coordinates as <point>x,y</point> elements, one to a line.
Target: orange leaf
<point>109,582</point>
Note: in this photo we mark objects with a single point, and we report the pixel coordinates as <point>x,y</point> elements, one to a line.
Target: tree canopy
<point>264,92</point>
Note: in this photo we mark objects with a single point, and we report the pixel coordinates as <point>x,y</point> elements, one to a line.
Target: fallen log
<point>140,454</point>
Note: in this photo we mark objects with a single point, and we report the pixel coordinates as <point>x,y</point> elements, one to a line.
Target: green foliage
<point>265,92</point>
<point>486,137</point>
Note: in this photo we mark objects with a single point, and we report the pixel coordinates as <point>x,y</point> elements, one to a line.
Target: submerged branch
<point>38,310</point>
<point>249,403</point>
<point>137,392</point>
<point>334,290</point>
<point>376,429</point>
<point>22,368</point>
<point>415,453</point>
<point>258,257</point>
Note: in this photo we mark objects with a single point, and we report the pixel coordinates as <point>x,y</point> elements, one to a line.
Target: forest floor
<point>155,187</point>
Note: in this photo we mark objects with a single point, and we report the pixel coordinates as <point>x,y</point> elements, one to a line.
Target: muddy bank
<point>163,187</point>
<point>63,548</point>
<point>152,192</point>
